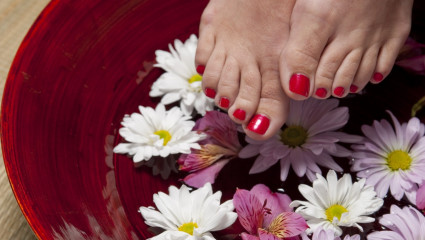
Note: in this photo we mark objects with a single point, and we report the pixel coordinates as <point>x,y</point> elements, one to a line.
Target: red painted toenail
<point>200,69</point>
<point>339,91</point>
<point>299,84</point>
<point>239,114</point>
<point>321,92</point>
<point>378,77</point>
<point>259,124</point>
<point>210,92</point>
<point>353,88</point>
<point>224,102</point>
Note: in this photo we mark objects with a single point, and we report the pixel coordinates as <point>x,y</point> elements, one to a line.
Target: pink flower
<point>412,57</point>
<point>220,146</point>
<point>266,215</point>
<point>420,197</point>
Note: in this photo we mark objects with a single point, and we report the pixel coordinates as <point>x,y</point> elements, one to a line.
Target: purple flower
<point>220,146</point>
<point>266,215</point>
<point>406,223</point>
<point>412,57</point>
<point>420,197</point>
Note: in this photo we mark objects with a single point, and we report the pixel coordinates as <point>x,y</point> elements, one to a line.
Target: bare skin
<point>258,53</point>
<point>240,42</point>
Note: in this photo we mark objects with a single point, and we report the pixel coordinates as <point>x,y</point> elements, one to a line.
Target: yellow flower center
<point>399,160</point>
<point>294,136</point>
<point>188,227</point>
<point>335,210</point>
<point>164,134</point>
<point>195,78</point>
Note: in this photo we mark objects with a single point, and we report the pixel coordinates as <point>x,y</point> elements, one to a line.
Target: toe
<point>344,77</point>
<point>386,59</point>
<point>366,69</point>
<point>247,99</point>
<point>330,61</point>
<point>272,109</point>
<point>204,49</point>
<point>228,86</point>
<point>300,57</point>
<point>212,72</point>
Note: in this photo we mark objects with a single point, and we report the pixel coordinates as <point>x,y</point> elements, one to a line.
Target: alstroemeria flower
<point>420,197</point>
<point>220,146</point>
<point>266,215</point>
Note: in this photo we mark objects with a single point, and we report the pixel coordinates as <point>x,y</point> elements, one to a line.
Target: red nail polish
<point>339,91</point>
<point>321,92</point>
<point>239,114</point>
<point>210,92</point>
<point>299,84</point>
<point>353,88</point>
<point>200,69</point>
<point>259,124</point>
<point>224,102</point>
<point>378,77</point>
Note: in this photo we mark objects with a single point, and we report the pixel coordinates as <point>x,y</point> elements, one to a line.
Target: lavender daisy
<point>406,223</point>
<point>309,139</point>
<point>392,158</point>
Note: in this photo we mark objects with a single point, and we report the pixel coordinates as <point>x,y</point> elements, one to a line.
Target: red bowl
<point>82,66</point>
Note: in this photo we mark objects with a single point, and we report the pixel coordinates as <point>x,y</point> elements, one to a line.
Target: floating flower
<point>329,234</point>
<point>406,223</point>
<point>220,146</point>
<point>420,197</point>
<point>391,159</point>
<point>188,215</point>
<point>412,57</point>
<point>332,203</point>
<point>181,81</point>
<point>157,132</point>
<point>308,140</point>
<point>266,215</point>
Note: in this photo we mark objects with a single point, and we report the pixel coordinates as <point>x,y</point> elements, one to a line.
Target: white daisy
<point>392,159</point>
<point>157,132</point>
<point>407,223</point>
<point>189,215</point>
<point>181,81</point>
<point>309,139</point>
<point>332,203</point>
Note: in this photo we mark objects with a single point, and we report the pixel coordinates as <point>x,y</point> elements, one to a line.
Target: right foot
<point>338,46</point>
<point>240,42</point>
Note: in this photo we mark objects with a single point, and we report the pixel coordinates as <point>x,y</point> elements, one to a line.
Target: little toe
<point>204,49</point>
<point>272,109</point>
<point>228,86</point>
<point>248,97</point>
<point>346,72</point>
<point>386,59</point>
<point>300,58</point>
<point>212,73</point>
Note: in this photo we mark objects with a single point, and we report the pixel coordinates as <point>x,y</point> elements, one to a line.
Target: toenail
<point>321,92</point>
<point>239,114</point>
<point>378,77</point>
<point>339,91</point>
<point>353,88</point>
<point>299,84</point>
<point>210,92</point>
<point>200,69</point>
<point>259,124</point>
<point>224,102</point>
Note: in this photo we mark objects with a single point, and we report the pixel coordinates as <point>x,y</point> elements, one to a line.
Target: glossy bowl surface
<point>83,65</point>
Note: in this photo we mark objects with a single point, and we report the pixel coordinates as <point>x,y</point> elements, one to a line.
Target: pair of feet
<point>255,55</point>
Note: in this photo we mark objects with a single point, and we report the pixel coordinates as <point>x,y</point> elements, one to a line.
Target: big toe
<point>272,109</point>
